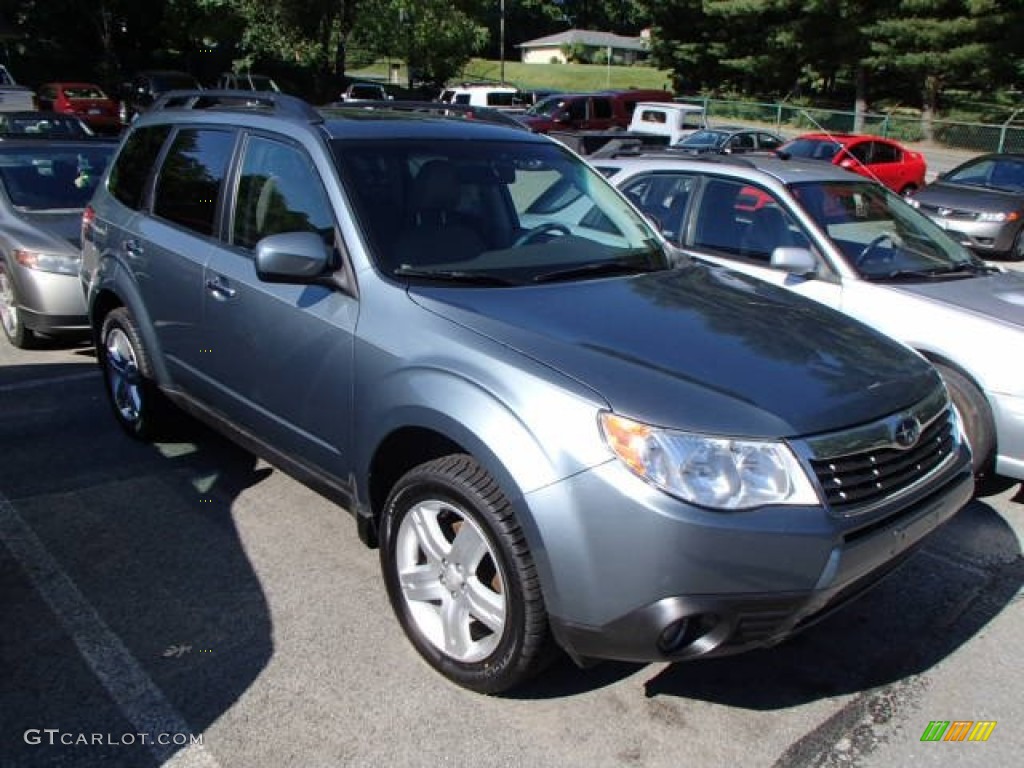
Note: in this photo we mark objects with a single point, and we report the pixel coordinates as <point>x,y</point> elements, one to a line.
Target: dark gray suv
<point>559,430</point>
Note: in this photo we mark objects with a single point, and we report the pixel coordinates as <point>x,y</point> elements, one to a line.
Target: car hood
<point>60,225</point>
<point>998,296</point>
<point>944,195</point>
<point>699,348</point>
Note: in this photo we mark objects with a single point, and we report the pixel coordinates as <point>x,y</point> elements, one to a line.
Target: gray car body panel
<point>327,374</point>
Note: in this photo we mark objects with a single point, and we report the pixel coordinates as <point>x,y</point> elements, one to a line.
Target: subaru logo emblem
<point>906,433</point>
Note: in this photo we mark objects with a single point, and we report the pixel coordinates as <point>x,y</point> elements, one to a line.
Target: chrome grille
<point>863,478</point>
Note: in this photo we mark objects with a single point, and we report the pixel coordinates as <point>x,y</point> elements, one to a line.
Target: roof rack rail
<point>280,103</point>
<point>438,108</point>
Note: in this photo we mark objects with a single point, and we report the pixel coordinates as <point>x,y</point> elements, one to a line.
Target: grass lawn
<point>562,77</point>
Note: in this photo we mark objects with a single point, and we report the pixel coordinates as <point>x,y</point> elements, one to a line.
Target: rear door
<point>169,249</point>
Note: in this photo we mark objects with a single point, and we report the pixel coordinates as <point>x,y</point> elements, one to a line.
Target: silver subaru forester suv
<point>560,431</point>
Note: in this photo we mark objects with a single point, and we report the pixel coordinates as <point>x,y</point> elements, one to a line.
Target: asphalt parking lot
<point>186,604</point>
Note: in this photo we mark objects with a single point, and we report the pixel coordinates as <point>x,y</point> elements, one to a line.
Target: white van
<point>493,96</point>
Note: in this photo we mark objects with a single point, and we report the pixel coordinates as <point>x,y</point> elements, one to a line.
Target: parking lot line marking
<point>37,383</point>
<point>137,697</point>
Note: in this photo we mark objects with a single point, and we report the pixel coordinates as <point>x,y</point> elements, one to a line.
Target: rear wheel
<point>975,414</point>
<point>10,316</point>
<point>138,405</point>
<point>460,577</point>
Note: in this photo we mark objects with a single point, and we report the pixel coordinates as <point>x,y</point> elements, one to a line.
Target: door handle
<point>218,286</point>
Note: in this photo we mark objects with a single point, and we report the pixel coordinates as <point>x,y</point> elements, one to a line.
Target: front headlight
<point>716,472</point>
<point>60,263</point>
<point>998,217</point>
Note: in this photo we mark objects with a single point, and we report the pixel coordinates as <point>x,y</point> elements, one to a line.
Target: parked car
<point>589,111</point>
<point>42,124</point>
<point>85,101</point>
<point>44,186</point>
<point>246,81</point>
<point>981,204</point>
<point>495,96</point>
<point>365,92</point>
<point>887,162</point>
<point>393,306</point>
<point>853,245</point>
<point>147,86</point>
<point>729,139</point>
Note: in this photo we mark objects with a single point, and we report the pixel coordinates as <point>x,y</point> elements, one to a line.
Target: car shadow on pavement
<point>130,605</point>
<point>963,577</point>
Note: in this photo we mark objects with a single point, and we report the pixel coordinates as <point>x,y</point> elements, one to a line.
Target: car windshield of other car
<point>39,125</point>
<point>547,107</point>
<point>83,92</point>
<point>815,149</point>
<point>52,177</point>
<point>998,173</point>
<point>881,235</point>
<point>714,139</point>
<point>493,213</point>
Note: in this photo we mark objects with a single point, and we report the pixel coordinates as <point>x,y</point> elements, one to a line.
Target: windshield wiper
<point>454,275</point>
<point>598,269</point>
<point>954,270</point>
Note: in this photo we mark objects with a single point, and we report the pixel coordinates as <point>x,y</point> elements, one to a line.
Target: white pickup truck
<point>672,120</point>
<point>653,123</point>
<point>14,97</point>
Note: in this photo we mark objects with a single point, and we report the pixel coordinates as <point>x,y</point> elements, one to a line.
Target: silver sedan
<point>44,187</point>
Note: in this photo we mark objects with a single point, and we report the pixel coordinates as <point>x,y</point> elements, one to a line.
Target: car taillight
<point>88,217</point>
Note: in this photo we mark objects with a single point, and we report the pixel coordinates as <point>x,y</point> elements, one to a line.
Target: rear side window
<point>191,178</point>
<point>602,109</point>
<point>128,176</point>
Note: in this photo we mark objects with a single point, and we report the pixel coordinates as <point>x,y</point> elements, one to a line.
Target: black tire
<point>139,406</point>
<point>976,417</point>
<point>1017,251</point>
<point>444,612</point>
<point>17,333</point>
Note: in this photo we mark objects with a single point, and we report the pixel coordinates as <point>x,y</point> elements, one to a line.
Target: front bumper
<point>635,575</point>
<point>990,238</point>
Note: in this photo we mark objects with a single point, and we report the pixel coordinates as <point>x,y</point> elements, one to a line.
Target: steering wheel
<point>549,228</point>
<point>876,241</point>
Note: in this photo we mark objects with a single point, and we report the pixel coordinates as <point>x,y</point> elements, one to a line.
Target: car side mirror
<point>292,257</point>
<point>795,261</point>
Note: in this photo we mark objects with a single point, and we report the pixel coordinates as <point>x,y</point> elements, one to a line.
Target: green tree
<point>436,38</point>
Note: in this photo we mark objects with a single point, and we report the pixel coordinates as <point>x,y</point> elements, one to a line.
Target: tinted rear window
<point>128,176</point>
<point>191,178</point>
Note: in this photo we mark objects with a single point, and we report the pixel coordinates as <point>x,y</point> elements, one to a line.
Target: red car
<point>87,101</point>
<point>900,169</point>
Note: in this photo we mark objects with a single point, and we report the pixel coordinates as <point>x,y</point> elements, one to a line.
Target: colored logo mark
<point>958,730</point>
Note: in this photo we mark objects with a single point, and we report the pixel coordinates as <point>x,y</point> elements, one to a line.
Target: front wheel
<point>975,414</point>
<point>13,323</point>
<point>460,577</point>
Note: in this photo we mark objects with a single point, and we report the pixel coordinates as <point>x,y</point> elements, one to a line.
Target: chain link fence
<point>788,118</point>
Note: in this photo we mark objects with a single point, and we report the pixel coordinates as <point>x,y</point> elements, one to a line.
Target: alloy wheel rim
<point>8,309</point>
<point>123,375</point>
<point>451,581</point>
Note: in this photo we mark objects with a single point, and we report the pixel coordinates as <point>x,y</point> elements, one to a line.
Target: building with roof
<point>595,45</point>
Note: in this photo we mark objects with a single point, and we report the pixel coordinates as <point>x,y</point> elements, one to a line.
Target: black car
<point>143,89</point>
<point>729,139</point>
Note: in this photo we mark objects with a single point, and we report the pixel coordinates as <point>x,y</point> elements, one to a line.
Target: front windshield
<point>814,149</point>
<point>999,172</point>
<point>502,212</point>
<point>547,107</point>
<point>705,139</point>
<point>880,235</point>
<point>52,177</point>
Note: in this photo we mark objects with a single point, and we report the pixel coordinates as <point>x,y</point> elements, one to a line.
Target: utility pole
<point>501,39</point>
